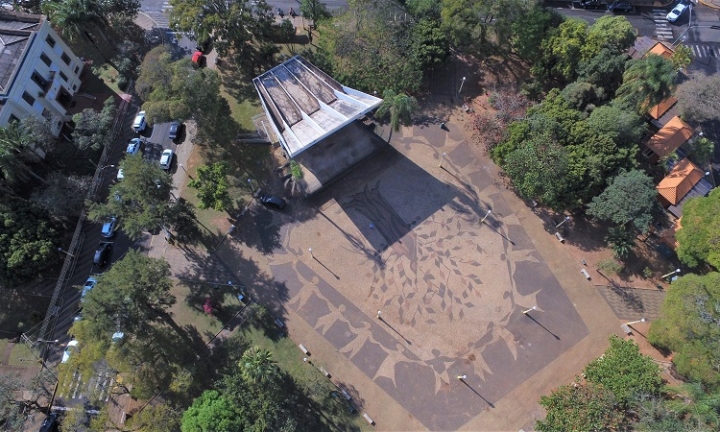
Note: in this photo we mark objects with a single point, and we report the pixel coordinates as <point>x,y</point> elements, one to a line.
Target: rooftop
<point>15,31</point>
<point>670,137</point>
<point>305,105</point>
<point>660,109</point>
<point>685,181</point>
<point>662,50</point>
<point>642,45</point>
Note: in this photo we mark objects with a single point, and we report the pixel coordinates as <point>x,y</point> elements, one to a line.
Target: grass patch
<point>19,313</point>
<point>244,111</point>
<point>21,355</point>
<point>289,358</point>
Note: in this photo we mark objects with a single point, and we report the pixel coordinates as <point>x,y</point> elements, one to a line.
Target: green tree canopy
<point>631,197</point>
<point>625,372</point>
<point>92,128</point>
<point>212,412</point>
<point>141,200</point>
<point>257,365</point>
<point>561,52</point>
<point>28,241</point>
<point>399,107</point>
<point>688,326</point>
<point>699,237</point>
<point>212,186</point>
<point>176,90</point>
<point>613,32</point>
<point>430,45</point>
<point>588,407</point>
<point>604,70</point>
<point>646,82</point>
<point>531,28</point>
<point>314,10</point>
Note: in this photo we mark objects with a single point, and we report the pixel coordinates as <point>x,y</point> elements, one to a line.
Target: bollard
<point>303,349</point>
<point>559,237</point>
<point>585,273</point>
<point>369,420</point>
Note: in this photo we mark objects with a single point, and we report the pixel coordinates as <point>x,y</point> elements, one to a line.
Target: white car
<point>89,284</point>
<point>71,347</point>
<point>134,146</point>
<point>108,228</point>
<point>140,122</point>
<point>166,159</point>
<point>675,13</point>
<point>120,174</point>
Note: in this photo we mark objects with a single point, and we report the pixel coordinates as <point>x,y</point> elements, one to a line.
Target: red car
<point>198,58</point>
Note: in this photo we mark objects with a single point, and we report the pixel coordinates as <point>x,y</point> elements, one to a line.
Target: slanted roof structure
<point>679,181</point>
<point>306,105</point>
<point>641,47</point>
<point>662,50</point>
<point>670,137</point>
<point>660,109</point>
<point>669,236</point>
<point>15,31</point>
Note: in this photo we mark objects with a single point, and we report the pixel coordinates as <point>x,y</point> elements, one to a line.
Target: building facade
<point>39,74</point>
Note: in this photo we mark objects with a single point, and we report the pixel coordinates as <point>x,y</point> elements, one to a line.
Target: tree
<point>314,10</point>
<point>561,52</point>
<point>430,45</point>
<point>28,241</point>
<point>141,201</point>
<point>631,197</point>
<point>136,289</point>
<point>576,407</point>
<point>613,32</point>
<point>699,97</point>
<point>399,107</point>
<point>257,365</point>
<point>604,70</point>
<point>212,186</point>
<point>63,197</point>
<point>682,57</point>
<point>74,16</point>
<point>175,90</point>
<point>625,372</point>
<point>700,231</point>
<point>156,418</point>
<point>470,23</point>
<point>702,150</point>
<point>212,412</point>
<point>646,82</point>
<point>16,145</point>
<point>15,406</point>
<point>530,29</point>
<point>92,128</point>
<point>621,241</point>
<point>688,326</point>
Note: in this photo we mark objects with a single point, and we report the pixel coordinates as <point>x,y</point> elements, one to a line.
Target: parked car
<point>89,285</point>
<point>50,423</point>
<point>140,123</point>
<point>674,14</point>
<point>166,159</point>
<point>621,6</point>
<point>108,228</point>
<point>174,131</point>
<point>134,146</point>
<point>272,201</point>
<point>593,4</point>
<point>71,347</point>
<point>102,254</point>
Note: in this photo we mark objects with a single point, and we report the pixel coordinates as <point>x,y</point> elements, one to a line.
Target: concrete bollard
<point>303,349</point>
<point>559,237</point>
<point>369,420</point>
<point>585,273</point>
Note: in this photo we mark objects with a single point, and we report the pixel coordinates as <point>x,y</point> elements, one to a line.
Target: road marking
<point>702,51</point>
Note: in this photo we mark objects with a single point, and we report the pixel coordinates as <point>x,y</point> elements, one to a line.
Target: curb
<point>710,5</point>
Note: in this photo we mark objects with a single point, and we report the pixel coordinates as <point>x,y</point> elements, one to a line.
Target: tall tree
<point>646,83</point>
<point>257,365</point>
<point>699,97</point>
<point>314,10</point>
<point>399,107</point>
<point>561,52</point>
<point>631,197</point>
<point>588,407</point>
<point>92,128</point>
<point>141,200</point>
<point>699,237</point>
<point>212,411</point>
<point>212,186</point>
<point>613,32</point>
<point>530,29</point>
<point>73,17</point>
<point>688,326</point>
<point>682,57</point>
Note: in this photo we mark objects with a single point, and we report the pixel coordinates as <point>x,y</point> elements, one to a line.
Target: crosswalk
<point>704,51</point>
<point>663,31</point>
<point>160,18</point>
<point>98,387</point>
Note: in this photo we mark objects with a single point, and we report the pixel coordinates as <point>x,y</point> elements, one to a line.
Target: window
<point>39,80</point>
<point>45,59</point>
<point>14,118</point>
<point>77,68</point>
<point>63,76</point>
<point>65,58</point>
<point>74,87</point>
<point>27,98</point>
<point>50,41</point>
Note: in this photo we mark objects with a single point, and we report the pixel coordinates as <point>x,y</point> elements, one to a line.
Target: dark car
<point>102,254</point>
<point>50,423</point>
<point>621,6</point>
<point>174,131</point>
<point>593,4</point>
<point>272,201</point>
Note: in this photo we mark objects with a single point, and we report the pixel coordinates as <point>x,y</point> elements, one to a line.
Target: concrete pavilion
<point>315,120</point>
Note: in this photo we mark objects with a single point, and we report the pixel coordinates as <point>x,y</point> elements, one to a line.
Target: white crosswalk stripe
<point>704,51</point>
<point>166,5</point>
<point>160,19</point>
<point>662,28</point>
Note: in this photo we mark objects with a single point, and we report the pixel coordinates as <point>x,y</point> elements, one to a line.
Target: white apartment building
<point>38,73</point>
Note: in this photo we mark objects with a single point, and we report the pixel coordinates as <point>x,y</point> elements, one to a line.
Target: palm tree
<point>647,82</point>
<point>257,365</point>
<point>400,107</point>
<point>14,142</point>
<point>73,16</point>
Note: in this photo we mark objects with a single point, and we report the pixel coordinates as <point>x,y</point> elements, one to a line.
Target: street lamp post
<point>311,254</point>
<point>567,218</point>
<point>530,310</point>
<point>183,168</point>
<point>642,320</point>
<point>461,85</point>
<point>462,377</point>
<point>665,276</point>
<point>65,252</point>
<point>486,216</point>
<point>442,158</point>
<point>379,315</point>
